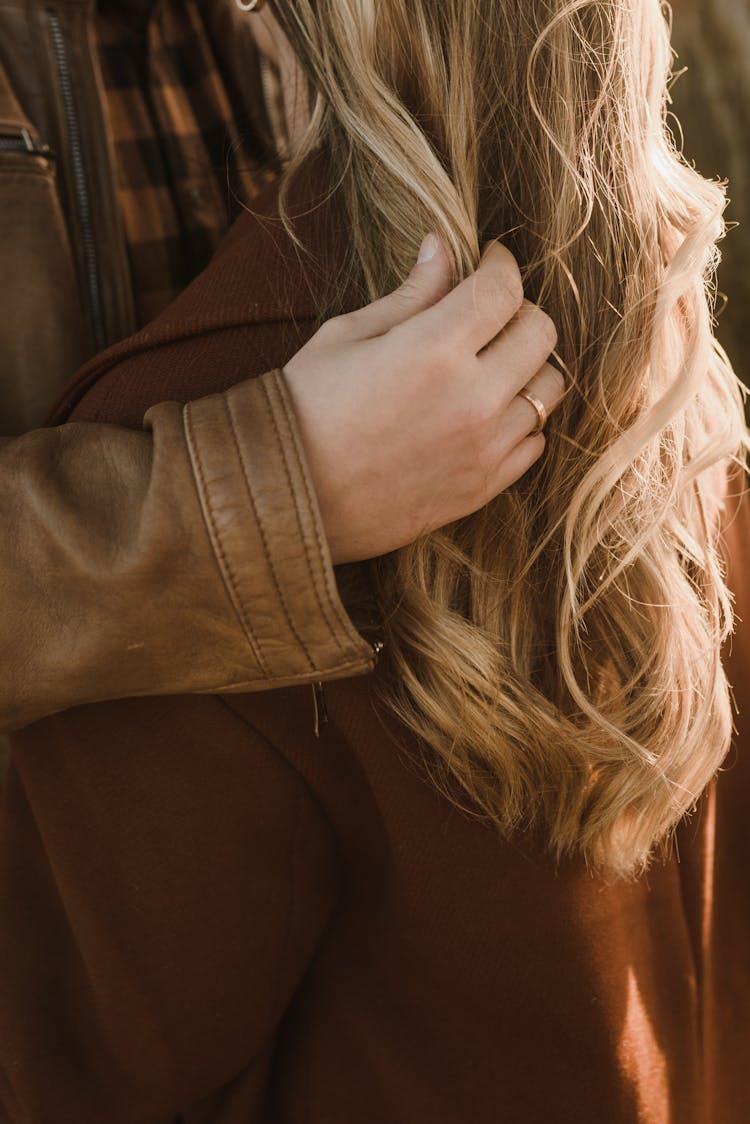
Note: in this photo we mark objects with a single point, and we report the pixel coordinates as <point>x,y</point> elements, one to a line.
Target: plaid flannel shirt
<point>185,160</point>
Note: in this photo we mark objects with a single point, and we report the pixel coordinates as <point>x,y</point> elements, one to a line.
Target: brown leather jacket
<point>112,580</point>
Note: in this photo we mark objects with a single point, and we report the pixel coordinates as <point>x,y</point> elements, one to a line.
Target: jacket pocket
<point>21,141</point>
<point>43,338</point>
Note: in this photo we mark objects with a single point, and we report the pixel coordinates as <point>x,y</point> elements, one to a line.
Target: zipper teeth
<point>23,141</point>
<point>320,710</point>
<point>78,169</point>
<point>13,144</point>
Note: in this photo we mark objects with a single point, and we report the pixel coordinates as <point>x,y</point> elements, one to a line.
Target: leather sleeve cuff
<point>266,530</point>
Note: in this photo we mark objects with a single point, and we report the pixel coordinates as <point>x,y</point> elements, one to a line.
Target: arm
<point>186,557</point>
<point>198,555</point>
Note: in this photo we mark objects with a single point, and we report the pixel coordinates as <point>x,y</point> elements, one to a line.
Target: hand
<point>409,407</point>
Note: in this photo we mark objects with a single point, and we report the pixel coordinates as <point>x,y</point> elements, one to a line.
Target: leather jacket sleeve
<point>185,557</point>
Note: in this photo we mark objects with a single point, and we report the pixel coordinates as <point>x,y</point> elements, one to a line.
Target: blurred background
<point>712,104</point>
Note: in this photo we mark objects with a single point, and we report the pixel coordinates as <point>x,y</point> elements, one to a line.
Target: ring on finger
<point>541,409</point>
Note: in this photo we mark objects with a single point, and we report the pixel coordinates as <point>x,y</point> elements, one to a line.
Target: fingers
<point>520,350</point>
<point>517,447</point>
<point>520,417</point>
<point>514,446</point>
<point>473,313</point>
<point>462,320</point>
<point>518,461</point>
<point>430,279</point>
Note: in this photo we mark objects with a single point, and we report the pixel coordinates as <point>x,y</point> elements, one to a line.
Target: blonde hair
<point>558,652</point>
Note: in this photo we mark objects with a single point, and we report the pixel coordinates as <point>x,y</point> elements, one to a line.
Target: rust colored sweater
<point>207,915</point>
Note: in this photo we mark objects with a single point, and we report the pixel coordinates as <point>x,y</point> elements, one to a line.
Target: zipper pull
<point>24,141</point>
<point>319,698</point>
<point>321,710</point>
<point>35,147</point>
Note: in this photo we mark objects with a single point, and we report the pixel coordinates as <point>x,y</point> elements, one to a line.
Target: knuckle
<point>496,295</point>
<point>558,381</point>
<point>513,282</point>
<point>499,276</point>
<point>407,291</point>
<point>502,258</point>
<point>536,444</point>
<point>511,290</point>
<point>510,276</point>
<point>547,330</point>
<point>332,328</point>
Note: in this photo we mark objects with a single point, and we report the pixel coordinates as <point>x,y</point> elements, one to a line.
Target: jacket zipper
<point>320,709</point>
<point>79,185</point>
<point>23,141</point>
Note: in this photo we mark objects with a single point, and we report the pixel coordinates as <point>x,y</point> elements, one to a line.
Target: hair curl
<point>558,652</point>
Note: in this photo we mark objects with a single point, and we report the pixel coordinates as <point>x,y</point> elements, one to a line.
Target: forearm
<point>186,557</point>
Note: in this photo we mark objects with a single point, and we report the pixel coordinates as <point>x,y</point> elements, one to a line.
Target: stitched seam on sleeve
<point>227,573</point>
<point>247,686</point>
<point>341,617</point>
<point>315,571</point>
<point>264,540</point>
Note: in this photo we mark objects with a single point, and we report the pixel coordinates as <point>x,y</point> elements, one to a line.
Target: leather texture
<point>155,576</point>
<point>182,556</point>
<point>44,335</point>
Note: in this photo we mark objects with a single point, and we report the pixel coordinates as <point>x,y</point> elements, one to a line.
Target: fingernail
<point>428,249</point>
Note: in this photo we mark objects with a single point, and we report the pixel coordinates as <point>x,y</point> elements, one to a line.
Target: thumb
<point>429,281</point>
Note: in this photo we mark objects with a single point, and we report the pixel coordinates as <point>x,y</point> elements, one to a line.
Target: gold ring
<point>541,410</point>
